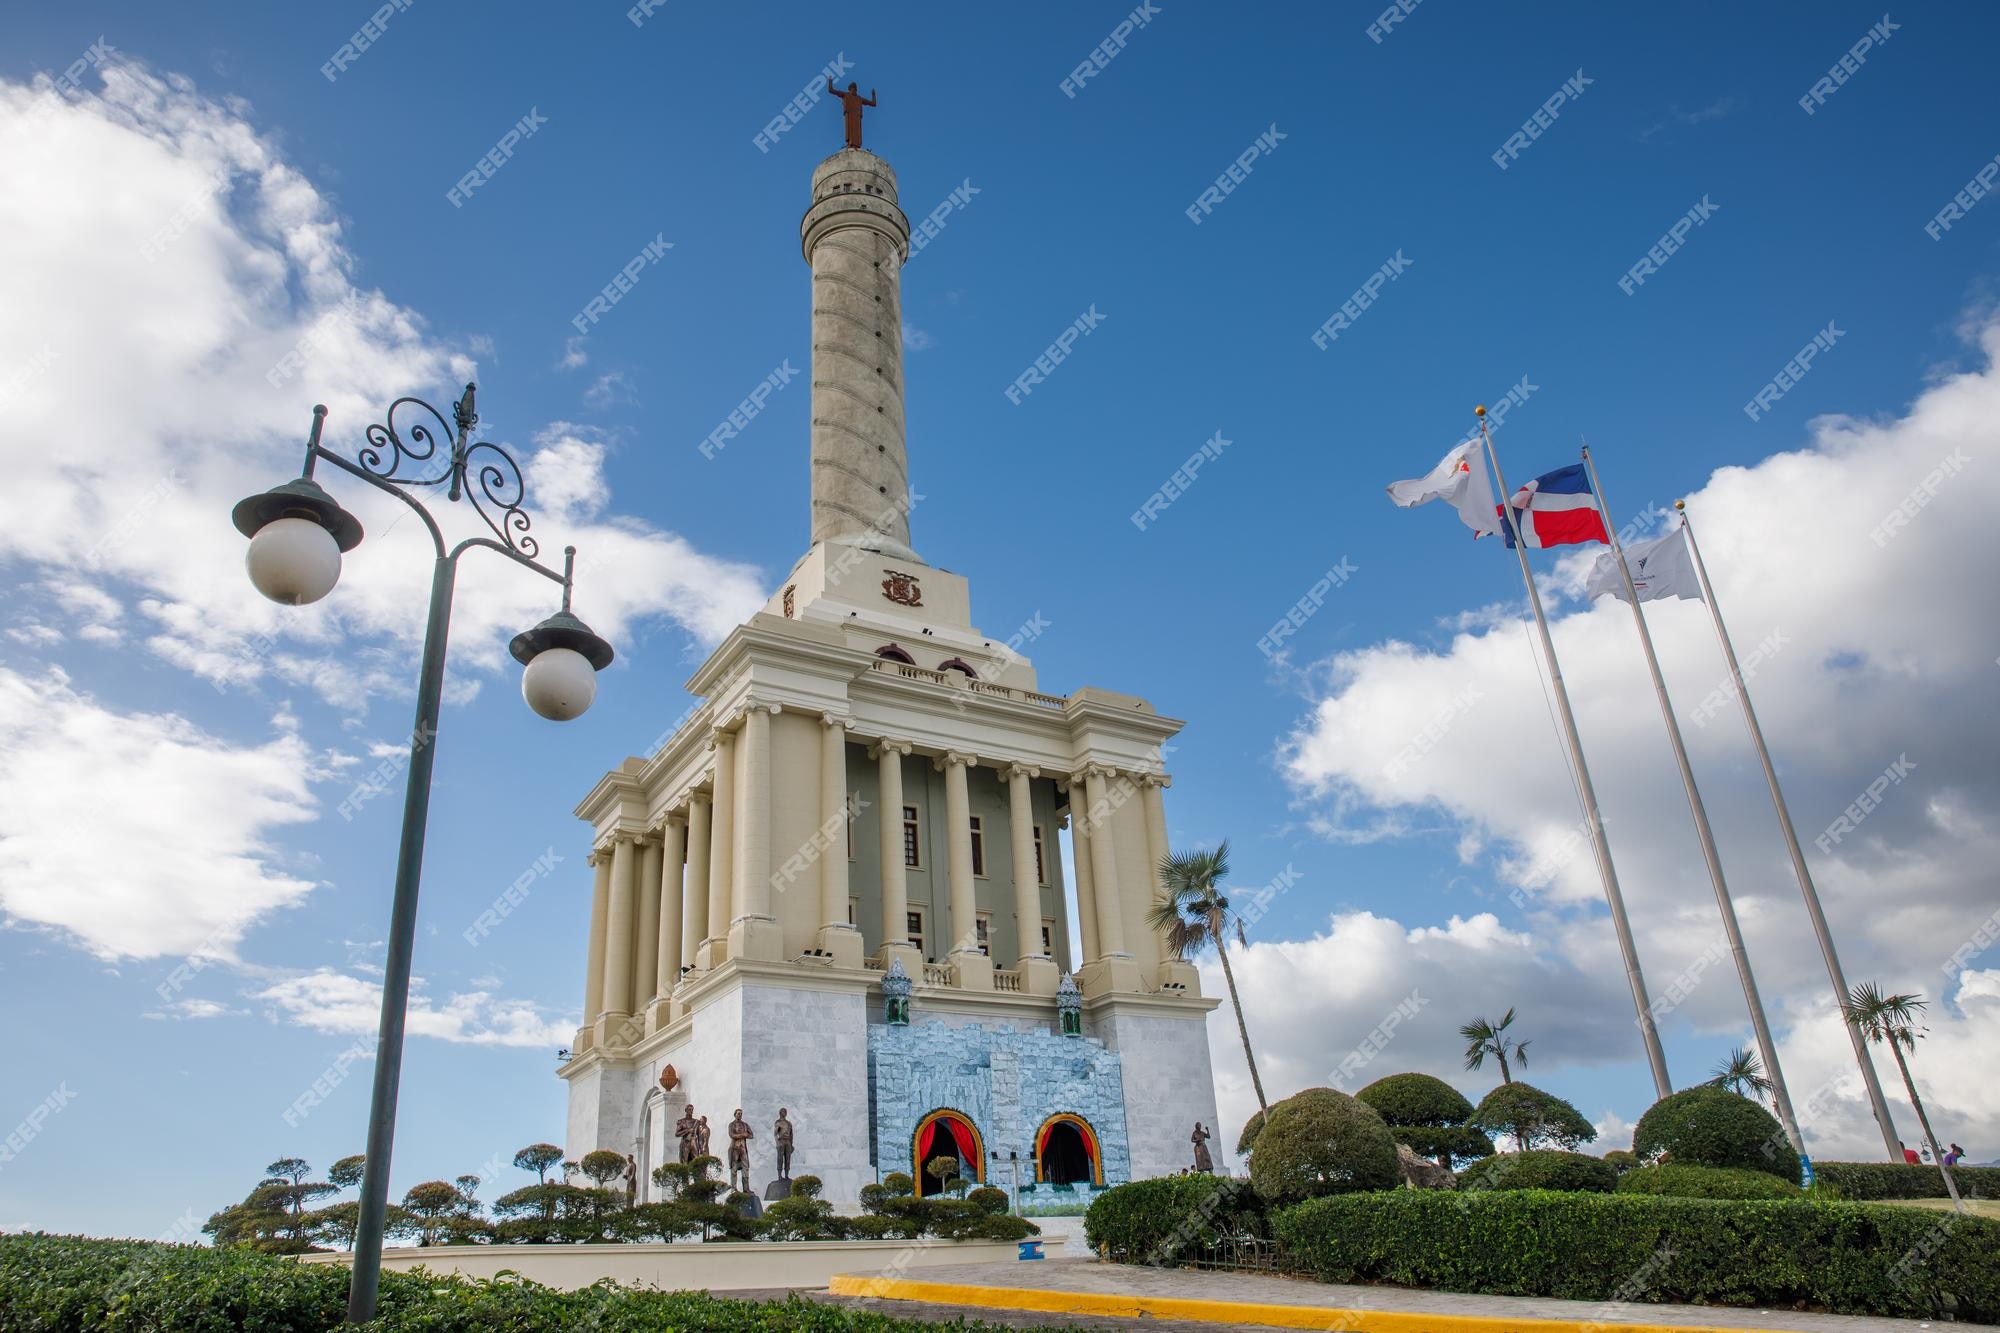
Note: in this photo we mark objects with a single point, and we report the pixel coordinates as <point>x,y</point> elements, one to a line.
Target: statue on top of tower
<point>851,103</point>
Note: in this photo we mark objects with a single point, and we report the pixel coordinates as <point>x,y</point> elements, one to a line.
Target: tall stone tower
<point>868,802</point>
<point>856,239</point>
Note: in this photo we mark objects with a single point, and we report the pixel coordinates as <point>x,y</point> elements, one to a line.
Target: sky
<point>214,219</point>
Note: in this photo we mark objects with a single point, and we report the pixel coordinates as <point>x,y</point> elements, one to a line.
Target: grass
<point>1974,1207</point>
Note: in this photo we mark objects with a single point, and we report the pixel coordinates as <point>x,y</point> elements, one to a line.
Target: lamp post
<point>297,536</point>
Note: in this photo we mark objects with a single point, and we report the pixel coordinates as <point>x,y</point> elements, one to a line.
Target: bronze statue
<point>1202,1161</point>
<point>631,1180</point>
<point>684,1130</point>
<point>701,1137</point>
<point>781,1139</point>
<point>740,1135</point>
<point>851,103</point>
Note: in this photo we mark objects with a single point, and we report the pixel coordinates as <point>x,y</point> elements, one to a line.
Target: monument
<point>840,887</point>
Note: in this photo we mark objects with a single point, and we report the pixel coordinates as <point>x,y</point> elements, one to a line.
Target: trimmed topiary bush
<point>1710,1126</point>
<point>988,1200</point>
<point>1248,1138</point>
<point>1171,1219</point>
<point>1706,1182</point>
<point>1321,1142</point>
<point>1428,1115</point>
<point>1779,1254</point>
<point>1531,1118</point>
<point>1900,1180</point>
<point>1540,1169</point>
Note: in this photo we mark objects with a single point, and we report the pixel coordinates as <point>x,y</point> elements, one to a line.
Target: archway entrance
<point>1066,1152</point>
<point>947,1134</point>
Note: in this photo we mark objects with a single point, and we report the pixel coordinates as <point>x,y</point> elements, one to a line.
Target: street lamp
<point>298,534</point>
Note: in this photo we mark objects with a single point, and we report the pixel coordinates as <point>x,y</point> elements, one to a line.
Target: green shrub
<point>1783,1254</point>
<point>1247,1140</point>
<point>988,1200</point>
<point>1710,1126</point>
<point>1621,1160</point>
<point>1531,1118</point>
<point>899,1182</point>
<point>1706,1182</point>
<point>1540,1169</point>
<point>61,1284</point>
<point>1416,1100</point>
<point>1320,1142</point>
<point>1171,1219</point>
<point>1900,1180</point>
<point>1446,1146</point>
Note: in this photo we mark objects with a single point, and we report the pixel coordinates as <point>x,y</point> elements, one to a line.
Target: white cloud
<point>216,280</point>
<point>575,352</point>
<point>329,1001</point>
<point>915,339</point>
<point>608,390</point>
<point>138,835</point>
<point>1885,651</point>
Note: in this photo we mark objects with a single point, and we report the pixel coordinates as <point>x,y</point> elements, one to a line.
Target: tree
<point>1892,1020</point>
<point>337,1223</point>
<point>1486,1038</point>
<point>1531,1118</point>
<point>1742,1073</point>
<point>1320,1142</point>
<point>259,1222</point>
<point>1192,913</point>
<point>292,1191</point>
<point>944,1170</point>
<point>1428,1116</point>
<point>430,1206</point>
<point>346,1173</point>
<point>538,1158</point>
<point>1711,1126</point>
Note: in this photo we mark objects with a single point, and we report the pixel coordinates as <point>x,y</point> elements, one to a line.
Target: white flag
<point>1660,568</point>
<point>1461,479</point>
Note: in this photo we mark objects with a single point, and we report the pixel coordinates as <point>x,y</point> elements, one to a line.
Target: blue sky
<point>152,730</point>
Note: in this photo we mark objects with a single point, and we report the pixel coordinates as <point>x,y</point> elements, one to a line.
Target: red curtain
<point>961,1134</point>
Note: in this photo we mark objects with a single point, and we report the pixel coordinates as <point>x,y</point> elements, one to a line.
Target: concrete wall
<point>691,1266</point>
<point>1168,1085</point>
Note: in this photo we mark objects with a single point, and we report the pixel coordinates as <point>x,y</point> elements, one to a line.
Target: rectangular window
<point>978,846</point>
<point>982,932</point>
<point>1048,937</point>
<point>914,928</point>
<point>853,906</point>
<point>1041,870</point>
<point>912,849</point>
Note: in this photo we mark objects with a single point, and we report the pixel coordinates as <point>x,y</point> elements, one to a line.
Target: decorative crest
<point>501,489</point>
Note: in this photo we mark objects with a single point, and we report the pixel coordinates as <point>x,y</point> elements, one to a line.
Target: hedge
<point>1711,1126</point>
<point>67,1284</point>
<point>1843,1257</point>
<point>1171,1219</point>
<point>1540,1169</point>
<point>1900,1180</point>
<point>1706,1182</point>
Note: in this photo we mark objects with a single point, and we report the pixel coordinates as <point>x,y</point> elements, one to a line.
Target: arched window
<point>895,654</point>
<point>958,664</point>
<point>946,1133</point>
<point>1067,1152</point>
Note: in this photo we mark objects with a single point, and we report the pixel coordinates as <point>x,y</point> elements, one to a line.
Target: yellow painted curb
<point>1048,1301</point>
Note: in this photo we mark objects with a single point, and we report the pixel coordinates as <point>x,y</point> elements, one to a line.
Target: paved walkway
<point>1058,1288</point>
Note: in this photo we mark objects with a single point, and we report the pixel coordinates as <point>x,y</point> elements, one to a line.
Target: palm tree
<point>1486,1038</point>
<point>1742,1073</point>
<point>1891,1020</point>
<point>1193,912</point>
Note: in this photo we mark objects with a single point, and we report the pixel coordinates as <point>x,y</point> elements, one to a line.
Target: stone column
<point>722,852</point>
<point>971,969</point>
<point>646,959</point>
<point>895,879</point>
<point>1039,974</point>
<point>593,973</point>
<point>667,950</point>
<point>699,861</point>
<point>856,238</point>
<point>837,936</point>
<point>1119,971</point>
<point>753,930</point>
<point>1173,971</point>
<point>1086,892</point>
<point>616,1005</point>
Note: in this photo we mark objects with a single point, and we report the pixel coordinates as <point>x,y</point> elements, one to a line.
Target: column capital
<point>674,816</point>
<point>885,745</point>
<point>724,733</point>
<point>1028,771</point>
<point>1093,770</point>
<point>956,758</point>
<point>701,795</point>
<point>835,720</point>
<point>1162,780</point>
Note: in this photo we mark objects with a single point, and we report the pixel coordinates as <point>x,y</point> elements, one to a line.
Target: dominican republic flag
<point>1556,509</point>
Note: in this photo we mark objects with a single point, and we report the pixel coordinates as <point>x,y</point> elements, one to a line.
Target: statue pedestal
<point>843,942</point>
<point>1039,976</point>
<point>971,970</point>
<point>781,1188</point>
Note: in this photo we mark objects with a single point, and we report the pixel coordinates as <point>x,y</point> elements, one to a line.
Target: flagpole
<point>1655,1057</point>
<point>1780,1095</point>
<point>1834,974</point>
